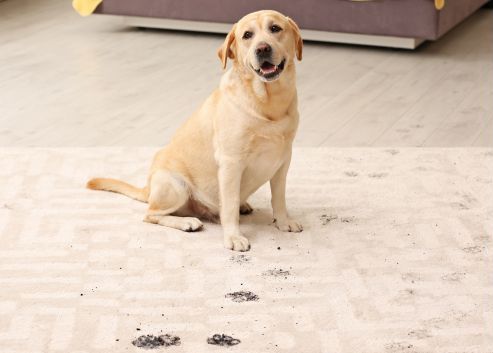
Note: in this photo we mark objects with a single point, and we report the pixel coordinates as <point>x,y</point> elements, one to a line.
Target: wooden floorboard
<point>72,81</point>
<point>485,135</point>
<point>457,75</point>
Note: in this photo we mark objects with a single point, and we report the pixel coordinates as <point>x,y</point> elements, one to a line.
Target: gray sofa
<point>374,22</point>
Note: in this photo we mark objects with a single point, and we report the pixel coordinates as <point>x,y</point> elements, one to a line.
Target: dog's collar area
<point>269,71</point>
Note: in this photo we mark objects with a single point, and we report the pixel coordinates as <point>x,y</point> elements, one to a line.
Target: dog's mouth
<point>269,71</point>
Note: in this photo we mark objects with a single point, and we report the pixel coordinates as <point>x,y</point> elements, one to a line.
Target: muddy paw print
<point>223,340</point>
<point>242,296</point>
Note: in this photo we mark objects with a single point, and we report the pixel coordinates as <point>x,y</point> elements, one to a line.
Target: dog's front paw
<point>288,225</point>
<point>236,243</point>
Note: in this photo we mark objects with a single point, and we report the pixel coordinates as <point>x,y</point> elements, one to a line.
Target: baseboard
<point>309,35</point>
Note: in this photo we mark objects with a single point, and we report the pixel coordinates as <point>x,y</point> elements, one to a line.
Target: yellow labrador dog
<point>240,138</point>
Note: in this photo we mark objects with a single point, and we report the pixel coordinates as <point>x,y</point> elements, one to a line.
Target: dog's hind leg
<point>168,194</point>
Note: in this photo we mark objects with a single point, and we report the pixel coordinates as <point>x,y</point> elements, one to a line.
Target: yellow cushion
<point>85,7</point>
<point>439,4</point>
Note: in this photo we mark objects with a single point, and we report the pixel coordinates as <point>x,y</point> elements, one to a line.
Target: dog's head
<point>265,42</point>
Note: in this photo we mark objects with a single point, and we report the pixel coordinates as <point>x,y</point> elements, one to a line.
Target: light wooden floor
<point>70,81</point>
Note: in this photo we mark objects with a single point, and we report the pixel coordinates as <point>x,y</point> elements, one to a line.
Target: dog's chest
<point>269,149</point>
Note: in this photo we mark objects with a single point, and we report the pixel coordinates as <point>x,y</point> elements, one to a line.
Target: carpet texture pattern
<point>395,257</point>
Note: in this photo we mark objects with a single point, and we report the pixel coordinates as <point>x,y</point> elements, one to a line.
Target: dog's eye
<point>275,29</point>
<point>247,35</point>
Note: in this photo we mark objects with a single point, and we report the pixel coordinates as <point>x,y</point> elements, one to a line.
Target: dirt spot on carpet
<point>457,315</point>
<point>152,342</point>
<point>378,175</point>
<point>242,296</point>
<point>326,219</point>
<point>276,272</point>
<point>223,340</point>
<point>449,319</point>
<point>473,249</point>
<point>409,291</point>
<point>405,296</point>
<point>454,277</point>
<point>459,205</point>
<point>240,259</point>
<point>349,219</point>
<point>419,334</point>
<point>469,198</point>
<point>411,277</point>
<point>435,322</point>
<point>466,203</point>
<point>398,347</point>
<point>351,174</point>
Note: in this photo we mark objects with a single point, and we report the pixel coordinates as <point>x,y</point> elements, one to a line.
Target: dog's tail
<point>121,187</point>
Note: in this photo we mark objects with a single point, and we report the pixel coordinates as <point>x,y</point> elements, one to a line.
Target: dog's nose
<point>263,49</point>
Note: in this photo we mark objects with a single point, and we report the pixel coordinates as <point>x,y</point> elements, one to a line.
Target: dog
<point>240,138</point>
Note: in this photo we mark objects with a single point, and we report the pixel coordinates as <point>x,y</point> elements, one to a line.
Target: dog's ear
<point>224,52</point>
<point>297,38</point>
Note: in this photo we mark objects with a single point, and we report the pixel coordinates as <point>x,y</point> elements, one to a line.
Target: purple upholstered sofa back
<point>403,18</point>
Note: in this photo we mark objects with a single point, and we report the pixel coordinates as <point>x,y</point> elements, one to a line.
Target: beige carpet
<point>395,257</point>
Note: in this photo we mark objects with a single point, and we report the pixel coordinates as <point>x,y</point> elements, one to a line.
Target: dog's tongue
<point>268,68</point>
